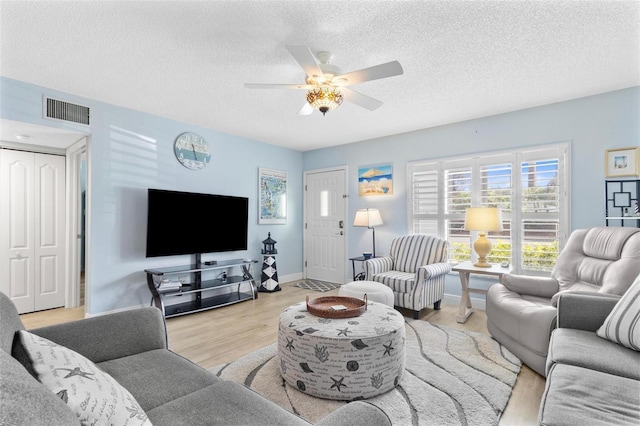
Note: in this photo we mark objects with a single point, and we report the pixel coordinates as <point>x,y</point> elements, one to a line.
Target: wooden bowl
<point>323,306</point>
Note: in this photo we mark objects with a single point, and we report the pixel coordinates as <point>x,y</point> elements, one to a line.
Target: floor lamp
<point>369,218</point>
<point>482,219</point>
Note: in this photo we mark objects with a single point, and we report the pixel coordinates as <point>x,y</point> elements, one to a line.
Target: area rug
<point>452,377</point>
<point>316,285</point>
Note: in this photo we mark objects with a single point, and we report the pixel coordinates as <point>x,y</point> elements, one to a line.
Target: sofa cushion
<point>159,376</point>
<point>93,395</point>
<point>400,282</point>
<point>622,325</point>
<point>110,336</point>
<point>25,401</point>
<point>578,396</point>
<point>225,403</point>
<point>584,349</point>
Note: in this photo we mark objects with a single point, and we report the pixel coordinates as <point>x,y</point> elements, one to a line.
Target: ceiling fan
<point>325,83</point>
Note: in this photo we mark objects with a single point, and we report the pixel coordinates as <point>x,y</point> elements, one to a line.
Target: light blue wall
<point>590,125</point>
<point>131,151</point>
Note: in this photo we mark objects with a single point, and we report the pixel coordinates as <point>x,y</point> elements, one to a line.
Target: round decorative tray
<point>325,307</point>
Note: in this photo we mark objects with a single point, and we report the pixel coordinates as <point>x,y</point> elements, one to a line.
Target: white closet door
<point>16,228</point>
<point>49,235</point>
<point>32,221</point>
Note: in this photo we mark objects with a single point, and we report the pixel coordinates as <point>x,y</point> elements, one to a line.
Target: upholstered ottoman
<point>376,292</point>
<point>343,359</point>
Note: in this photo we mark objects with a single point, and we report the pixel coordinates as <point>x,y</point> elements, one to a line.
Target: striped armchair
<point>415,270</point>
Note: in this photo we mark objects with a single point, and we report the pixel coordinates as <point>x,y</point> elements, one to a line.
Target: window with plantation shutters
<point>495,189</point>
<point>530,186</point>
<point>540,209</point>
<point>457,192</point>
<point>425,204</point>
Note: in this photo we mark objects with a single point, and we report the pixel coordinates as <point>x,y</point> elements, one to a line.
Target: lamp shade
<point>483,219</point>
<point>368,218</point>
<point>324,99</point>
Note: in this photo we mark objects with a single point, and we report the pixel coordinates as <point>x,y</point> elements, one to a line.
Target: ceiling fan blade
<point>388,69</point>
<point>306,109</point>
<point>305,58</point>
<point>279,86</point>
<point>359,99</point>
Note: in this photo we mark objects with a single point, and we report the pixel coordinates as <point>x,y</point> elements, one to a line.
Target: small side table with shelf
<point>465,269</point>
<point>360,275</point>
<point>204,294</point>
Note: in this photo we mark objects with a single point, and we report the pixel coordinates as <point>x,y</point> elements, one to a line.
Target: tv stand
<point>201,294</point>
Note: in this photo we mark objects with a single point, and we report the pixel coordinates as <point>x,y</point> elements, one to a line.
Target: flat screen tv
<point>193,223</point>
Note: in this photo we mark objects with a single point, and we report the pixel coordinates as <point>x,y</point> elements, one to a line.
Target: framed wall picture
<point>621,162</point>
<point>375,180</point>
<point>272,204</point>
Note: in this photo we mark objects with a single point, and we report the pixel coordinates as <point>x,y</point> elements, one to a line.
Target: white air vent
<point>61,110</point>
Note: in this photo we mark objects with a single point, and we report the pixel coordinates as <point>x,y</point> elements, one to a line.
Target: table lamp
<point>483,220</point>
<point>369,218</point>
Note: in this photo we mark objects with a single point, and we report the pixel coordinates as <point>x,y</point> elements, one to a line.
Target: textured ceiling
<point>189,60</point>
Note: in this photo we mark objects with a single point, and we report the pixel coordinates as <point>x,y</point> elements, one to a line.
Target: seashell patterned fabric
<point>342,359</point>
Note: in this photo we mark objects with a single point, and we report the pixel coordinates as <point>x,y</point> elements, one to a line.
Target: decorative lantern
<point>269,245</point>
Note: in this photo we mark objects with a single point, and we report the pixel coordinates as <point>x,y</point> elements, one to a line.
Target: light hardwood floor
<point>222,335</point>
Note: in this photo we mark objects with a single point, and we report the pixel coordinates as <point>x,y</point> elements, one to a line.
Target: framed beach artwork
<point>375,180</point>
<point>272,205</point>
<point>621,162</point>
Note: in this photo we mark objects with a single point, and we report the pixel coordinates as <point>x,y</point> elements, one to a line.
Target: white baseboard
<point>454,299</point>
<point>289,278</point>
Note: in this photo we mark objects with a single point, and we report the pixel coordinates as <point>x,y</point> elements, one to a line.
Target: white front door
<point>325,225</point>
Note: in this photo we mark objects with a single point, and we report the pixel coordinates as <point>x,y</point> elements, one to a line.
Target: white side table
<point>465,269</point>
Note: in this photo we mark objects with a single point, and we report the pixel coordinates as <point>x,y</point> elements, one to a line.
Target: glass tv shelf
<point>206,286</point>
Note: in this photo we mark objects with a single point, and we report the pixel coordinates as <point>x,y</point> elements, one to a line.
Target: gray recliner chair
<point>521,310</point>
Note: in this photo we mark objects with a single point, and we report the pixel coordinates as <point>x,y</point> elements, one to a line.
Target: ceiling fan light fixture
<point>324,99</point>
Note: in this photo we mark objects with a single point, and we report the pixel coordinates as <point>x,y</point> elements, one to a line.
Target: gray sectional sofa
<point>131,347</point>
<point>590,380</point>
